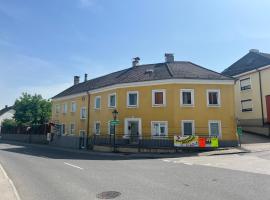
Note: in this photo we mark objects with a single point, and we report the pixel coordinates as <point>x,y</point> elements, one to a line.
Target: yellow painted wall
<point>173,112</point>
<point>70,117</point>
<point>254,94</point>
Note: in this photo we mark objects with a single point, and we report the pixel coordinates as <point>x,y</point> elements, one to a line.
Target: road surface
<point>41,173</point>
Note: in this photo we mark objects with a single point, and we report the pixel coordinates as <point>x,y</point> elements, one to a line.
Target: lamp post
<point>115,113</point>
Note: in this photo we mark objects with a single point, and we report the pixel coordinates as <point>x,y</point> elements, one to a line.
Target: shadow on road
<point>56,153</point>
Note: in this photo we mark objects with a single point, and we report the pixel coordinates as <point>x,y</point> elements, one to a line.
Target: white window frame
<point>241,107</point>
<point>249,77</point>
<point>192,97</point>
<point>139,120</point>
<point>219,97</point>
<point>71,109</point>
<point>64,108</point>
<point>182,127</point>
<point>95,130</point>
<point>95,103</point>
<point>220,128</point>
<point>164,98</point>
<point>132,92</point>
<point>109,128</point>
<point>57,108</point>
<point>70,130</point>
<point>82,112</point>
<point>159,122</point>
<point>109,100</point>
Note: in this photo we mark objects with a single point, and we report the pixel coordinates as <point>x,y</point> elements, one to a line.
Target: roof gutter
<point>261,96</point>
<point>252,71</point>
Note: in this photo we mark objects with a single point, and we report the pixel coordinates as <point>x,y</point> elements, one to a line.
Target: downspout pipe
<point>260,83</point>
<point>88,119</point>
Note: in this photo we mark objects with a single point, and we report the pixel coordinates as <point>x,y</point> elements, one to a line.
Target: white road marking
<point>75,166</point>
<point>11,183</point>
<point>187,163</point>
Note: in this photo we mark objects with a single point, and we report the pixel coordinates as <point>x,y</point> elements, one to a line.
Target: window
<point>158,98</point>
<point>64,108</point>
<point>83,113</point>
<point>245,84</point>
<point>57,108</point>
<point>112,100</point>
<point>214,128</point>
<point>213,97</point>
<point>73,107</point>
<point>246,105</point>
<point>187,97</point>
<point>110,128</point>
<point>97,102</point>
<point>97,128</point>
<point>159,128</point>
<point>188,127</point>
<point>132,99</point>
<point>63,129</point>
<point>72,128</point>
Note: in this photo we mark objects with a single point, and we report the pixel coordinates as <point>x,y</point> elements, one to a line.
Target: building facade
<point>252,91</point>
<point>153,101</point>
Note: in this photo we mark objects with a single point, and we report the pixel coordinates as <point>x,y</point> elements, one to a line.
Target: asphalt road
<point>48,174</point>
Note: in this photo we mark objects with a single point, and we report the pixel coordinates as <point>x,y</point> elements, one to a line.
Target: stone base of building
<point>261,130</point>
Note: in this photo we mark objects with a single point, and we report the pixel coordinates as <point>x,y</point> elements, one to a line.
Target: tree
<point>32,110</point>
<point>10,123</point>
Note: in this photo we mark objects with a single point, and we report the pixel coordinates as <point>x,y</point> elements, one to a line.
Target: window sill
<point>158,105</point>
<point>214,106</point>
<point>132,106</point>
<point>83,118</point>
<point>111,107</point>
<point>187,105</point>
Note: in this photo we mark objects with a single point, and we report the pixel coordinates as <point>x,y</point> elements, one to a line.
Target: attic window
<point>149,71</point>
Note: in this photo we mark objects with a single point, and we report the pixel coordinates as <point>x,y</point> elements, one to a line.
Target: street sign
<point>240,131</point>
<point>115,122</point>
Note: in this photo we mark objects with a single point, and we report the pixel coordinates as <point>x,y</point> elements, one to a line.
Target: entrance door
<point>267,98</point>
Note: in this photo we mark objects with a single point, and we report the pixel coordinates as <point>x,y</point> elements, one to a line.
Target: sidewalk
<point>7,188</point>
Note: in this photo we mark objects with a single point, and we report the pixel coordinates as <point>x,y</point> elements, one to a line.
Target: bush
<point>9,123</point>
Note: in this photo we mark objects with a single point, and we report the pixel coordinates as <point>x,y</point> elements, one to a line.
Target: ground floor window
<point>97,128</point>
<point>63,129</point>
<point>188,127</point>
<point>214,128</point>
<point>110,128</point>
<point>159,128</point>
<point>246,105</point>
<point>72,128</point>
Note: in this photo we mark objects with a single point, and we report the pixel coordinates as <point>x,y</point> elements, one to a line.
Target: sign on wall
<point>195,141</point>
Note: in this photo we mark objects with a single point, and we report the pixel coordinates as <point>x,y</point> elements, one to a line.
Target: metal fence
<point>132,141</point>
<point>27,130</point>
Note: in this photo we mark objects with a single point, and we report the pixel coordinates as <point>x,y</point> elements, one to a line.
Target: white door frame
<point>126,135</point>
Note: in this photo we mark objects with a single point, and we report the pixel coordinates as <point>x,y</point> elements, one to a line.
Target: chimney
<point>85,77</point>
<point>254,50</point>
<point>169,57</point>
<point>135,62</point>
<point>76,80</point>
<point>6,106</point>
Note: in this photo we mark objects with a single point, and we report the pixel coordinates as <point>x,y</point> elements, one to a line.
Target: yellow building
<point>252,91</point>
<point>154,101</point>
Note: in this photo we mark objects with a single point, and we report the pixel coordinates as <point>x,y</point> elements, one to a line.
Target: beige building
<point>252,91</point>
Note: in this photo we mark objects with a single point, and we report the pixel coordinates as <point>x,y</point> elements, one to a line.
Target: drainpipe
<point>260,83</point>
<point>88,118</point>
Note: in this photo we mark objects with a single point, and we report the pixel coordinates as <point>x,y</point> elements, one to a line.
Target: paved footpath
<point>7,188</point>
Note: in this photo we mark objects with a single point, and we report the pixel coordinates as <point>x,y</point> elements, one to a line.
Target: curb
<point>11,183</point>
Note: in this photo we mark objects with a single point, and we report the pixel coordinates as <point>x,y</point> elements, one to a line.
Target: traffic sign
<point>239,130</point>
<point>115,122</point>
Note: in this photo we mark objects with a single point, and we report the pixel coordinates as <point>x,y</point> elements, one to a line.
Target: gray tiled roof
<point>251,61</point>
<point>161,71</point>
<point>6,109</point>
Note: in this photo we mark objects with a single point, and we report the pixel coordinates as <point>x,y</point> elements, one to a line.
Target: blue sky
<point>43,44</point>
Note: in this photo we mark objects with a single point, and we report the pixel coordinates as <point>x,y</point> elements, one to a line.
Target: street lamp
<point>114,113</point>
